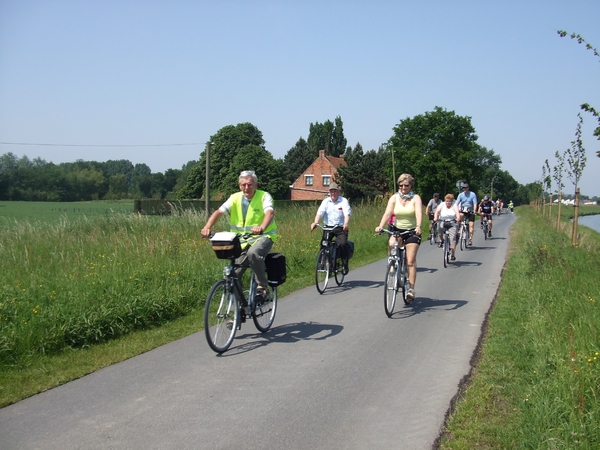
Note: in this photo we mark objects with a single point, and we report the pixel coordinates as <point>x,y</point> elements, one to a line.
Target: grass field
<point>54,211</point>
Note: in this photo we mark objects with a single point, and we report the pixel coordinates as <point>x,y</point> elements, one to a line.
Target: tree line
<point>438,148</point>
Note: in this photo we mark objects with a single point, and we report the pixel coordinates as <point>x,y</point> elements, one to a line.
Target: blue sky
<point>148,72</point>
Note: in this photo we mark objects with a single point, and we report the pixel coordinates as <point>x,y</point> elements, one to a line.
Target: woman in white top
<point>448,210</point>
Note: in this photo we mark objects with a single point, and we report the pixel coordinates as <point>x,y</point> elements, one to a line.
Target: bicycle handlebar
<point>403,234</point>
<point>328,228</point>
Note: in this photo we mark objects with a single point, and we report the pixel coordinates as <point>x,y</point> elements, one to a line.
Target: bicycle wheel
<point>431,236</point>
<point>390,288</point>
<point>404,283</point>
<point>322,270</point>
<point>463,238</point>
<point>221,317</point>
<point>446,249</point>
<point>485,230</point>
<point>338,267</point>
<point>263,315</point>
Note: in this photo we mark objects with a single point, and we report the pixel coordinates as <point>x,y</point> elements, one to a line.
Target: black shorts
<point>414,239</point>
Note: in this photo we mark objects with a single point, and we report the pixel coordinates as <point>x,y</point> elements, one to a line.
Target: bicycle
<point>227,305</point>
<point>463,236</point>
<point>433,232</point>
<point>485,226</point>
<point>447,253</point>
<point>396,276</point>
<point>328,261</point>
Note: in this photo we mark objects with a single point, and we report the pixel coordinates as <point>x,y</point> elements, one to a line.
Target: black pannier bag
<point>226,245</point>
<point>276,269</point>
<point>350,249</point>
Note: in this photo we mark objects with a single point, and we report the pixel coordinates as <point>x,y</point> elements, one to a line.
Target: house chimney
<point>321,154</point>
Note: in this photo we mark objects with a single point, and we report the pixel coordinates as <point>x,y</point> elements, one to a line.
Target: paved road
<point>333,373</point>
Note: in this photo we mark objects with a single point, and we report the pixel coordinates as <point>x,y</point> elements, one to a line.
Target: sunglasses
<point>404,185</point>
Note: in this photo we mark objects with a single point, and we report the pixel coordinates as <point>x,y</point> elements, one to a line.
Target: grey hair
<point>248,173</point>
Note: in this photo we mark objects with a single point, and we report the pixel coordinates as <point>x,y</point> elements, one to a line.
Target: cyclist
<point>408,208</point>
<point>486,208</point>
<point>250,211</point>
<point>511,206</point>
<point>467,202</point>
<point>448,211</point>
<point>336,212</point>
<point>430,210</point>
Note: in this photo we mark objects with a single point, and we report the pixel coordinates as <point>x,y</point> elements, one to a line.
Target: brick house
<point>313,183</point>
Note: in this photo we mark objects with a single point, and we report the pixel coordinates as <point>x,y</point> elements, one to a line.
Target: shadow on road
<point>425,304</point>
<point>286,334</point>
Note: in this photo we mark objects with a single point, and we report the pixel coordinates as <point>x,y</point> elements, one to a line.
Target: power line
<point>101,145</point>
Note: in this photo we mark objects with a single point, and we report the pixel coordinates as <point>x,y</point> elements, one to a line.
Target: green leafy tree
<point>270,173</point>
<point>225,144</point>
<point>439,148</point>
<point>297,159</point>
<point>363,176</point>
<point>328,136</point>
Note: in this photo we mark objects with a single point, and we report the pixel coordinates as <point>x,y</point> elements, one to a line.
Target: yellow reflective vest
<point>254,217</point>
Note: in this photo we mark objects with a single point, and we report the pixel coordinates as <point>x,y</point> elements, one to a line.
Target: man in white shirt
<point>335,211</point>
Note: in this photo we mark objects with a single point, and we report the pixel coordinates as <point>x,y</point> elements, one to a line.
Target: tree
<point>557,172</point>
<point>297,159</point>
<point>270,173</point>
<point>586,107</point>
<point>575,156</point>
<point>327,136</point>
<point>225,144</point>
<point>362,177</point>
<point>439,148</point>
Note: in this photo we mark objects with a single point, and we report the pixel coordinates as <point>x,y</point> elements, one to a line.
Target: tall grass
<point>537,383</point>
<point>74,284</point>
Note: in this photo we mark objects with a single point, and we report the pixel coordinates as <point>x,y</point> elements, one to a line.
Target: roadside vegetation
<point>536,380</point>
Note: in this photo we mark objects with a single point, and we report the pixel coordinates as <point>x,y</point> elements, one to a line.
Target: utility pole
<point>492,190</point>
<point>207,180</point>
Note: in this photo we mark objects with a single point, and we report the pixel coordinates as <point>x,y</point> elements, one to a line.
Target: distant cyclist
<point>511,206</point>
<point>467,203</point>
<point>448,211</point>
<point>486,209</point>
<point>430,210</point>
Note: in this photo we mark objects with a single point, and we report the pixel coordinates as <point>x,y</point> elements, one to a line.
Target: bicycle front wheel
<point>221,317</point>
<point>463,238</point>
<point>404,280</point>
<point>485,231</point>
<point>390,288</point>
<point>446,250</point>
<point>338,271</point>
<point>263,315</point>
<point>322,270</point>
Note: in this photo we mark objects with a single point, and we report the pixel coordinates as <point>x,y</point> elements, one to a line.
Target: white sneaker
<point>410,295</point>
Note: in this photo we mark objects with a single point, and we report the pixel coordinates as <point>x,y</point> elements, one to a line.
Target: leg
<point>411,261</point>
<point>256,258</point>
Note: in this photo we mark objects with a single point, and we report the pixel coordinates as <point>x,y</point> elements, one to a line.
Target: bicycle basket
<point>226,245</point>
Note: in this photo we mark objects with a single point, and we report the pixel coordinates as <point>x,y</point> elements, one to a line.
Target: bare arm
<point>389,210</point>
<point>211,221</point>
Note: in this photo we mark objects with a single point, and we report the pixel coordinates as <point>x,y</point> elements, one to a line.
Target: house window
<point>308,180</point>
<point>326,180</point>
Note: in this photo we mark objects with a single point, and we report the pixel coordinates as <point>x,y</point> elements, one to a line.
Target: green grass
<point>536,383</point>
<point>14,212</point>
